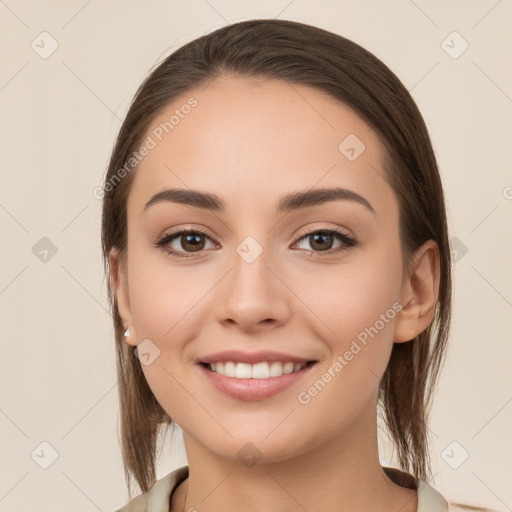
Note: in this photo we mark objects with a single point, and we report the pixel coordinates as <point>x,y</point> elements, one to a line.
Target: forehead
<point>250,140</point>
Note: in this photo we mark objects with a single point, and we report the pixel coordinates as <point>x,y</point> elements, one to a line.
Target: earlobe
<point>419,293</point>
<point>119,282</point>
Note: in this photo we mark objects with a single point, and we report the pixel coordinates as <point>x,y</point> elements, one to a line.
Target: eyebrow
<point>288,203</point>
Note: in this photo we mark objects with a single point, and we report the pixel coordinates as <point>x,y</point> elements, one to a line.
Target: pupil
<point>194,241</point>
<point>324,237</point>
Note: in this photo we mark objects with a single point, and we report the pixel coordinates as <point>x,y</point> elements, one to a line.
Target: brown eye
<point>192,242</point>
<point>323,240</point>
<point>184,243</point>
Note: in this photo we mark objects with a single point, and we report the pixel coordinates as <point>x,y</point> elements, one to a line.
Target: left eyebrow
<point>317,196</point>
<point>290,202</point>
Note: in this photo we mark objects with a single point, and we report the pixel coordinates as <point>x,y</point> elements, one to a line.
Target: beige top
<point>157,499</point>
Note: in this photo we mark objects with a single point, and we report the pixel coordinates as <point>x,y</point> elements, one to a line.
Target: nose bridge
<point>252,295</point>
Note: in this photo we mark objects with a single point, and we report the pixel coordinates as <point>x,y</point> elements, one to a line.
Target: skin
<point>251,142</point>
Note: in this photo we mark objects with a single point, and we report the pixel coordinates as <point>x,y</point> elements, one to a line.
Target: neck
<point>342,474</point>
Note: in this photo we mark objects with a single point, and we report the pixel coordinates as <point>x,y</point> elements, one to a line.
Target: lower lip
<point>254,389</point>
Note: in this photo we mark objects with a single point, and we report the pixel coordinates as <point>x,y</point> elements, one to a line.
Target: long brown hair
<point>299,54</point>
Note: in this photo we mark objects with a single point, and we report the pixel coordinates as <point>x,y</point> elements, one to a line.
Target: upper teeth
<point>255,371</point>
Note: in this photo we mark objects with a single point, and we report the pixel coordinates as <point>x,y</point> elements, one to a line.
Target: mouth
<point>245,381</point>
<point>261,370</point>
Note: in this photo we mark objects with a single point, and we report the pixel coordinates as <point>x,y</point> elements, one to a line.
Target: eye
<point>322,240</point>
<point>189,240</point>
<point>186,242</point>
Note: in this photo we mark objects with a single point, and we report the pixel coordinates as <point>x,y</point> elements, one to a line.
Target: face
<point>312,278</point>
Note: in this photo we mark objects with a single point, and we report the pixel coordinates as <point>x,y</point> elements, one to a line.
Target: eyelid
<point>176,233</point>
<point>195,228</point>
<point>346,239</point>
<point>314,229</point>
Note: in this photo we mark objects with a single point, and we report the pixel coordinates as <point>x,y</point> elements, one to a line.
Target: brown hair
<point>300,54</point>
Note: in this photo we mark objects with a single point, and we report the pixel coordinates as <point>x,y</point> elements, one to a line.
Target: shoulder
<point>157,498</point>
<point>433,501</point>
<point>429,499</point>
<point>137,504</point>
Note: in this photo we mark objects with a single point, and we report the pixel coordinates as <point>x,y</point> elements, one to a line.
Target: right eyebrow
<point>188,197</point>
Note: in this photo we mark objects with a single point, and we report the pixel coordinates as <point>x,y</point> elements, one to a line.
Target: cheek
<point>168,308</point>
<point>165,298</point>
<point>359,308</point>
<point>355,308</point>
<point>354,295</point>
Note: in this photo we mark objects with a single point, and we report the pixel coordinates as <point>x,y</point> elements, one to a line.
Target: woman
<point>275,237</point>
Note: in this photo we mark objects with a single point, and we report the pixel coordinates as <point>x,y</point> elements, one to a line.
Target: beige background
<point>59,117</point>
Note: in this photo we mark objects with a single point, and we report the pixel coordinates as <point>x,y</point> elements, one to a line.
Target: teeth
<point>229,369</point>
<point>260,371</point>
<point>255,371</point>
<point>288,368</point>
<point>243,371</point>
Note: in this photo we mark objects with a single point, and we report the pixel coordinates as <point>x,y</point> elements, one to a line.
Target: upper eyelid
<point>306,232</point>
<point>337,229</point>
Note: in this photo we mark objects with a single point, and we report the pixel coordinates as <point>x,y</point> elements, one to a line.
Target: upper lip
<point>238,356</point>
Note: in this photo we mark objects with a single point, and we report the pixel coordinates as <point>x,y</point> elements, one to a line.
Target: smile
<point>263,370</point>
<point>246,381</point>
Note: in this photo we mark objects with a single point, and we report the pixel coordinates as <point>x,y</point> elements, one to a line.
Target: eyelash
<point>341,236</point>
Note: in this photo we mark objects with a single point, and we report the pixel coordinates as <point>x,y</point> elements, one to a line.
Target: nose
<point>252,296</point>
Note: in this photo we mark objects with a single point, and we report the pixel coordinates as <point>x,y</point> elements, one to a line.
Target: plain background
<point>60,114</point>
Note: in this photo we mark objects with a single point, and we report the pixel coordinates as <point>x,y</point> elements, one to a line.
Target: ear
<point>420,291</point>
<point>119,280</point>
